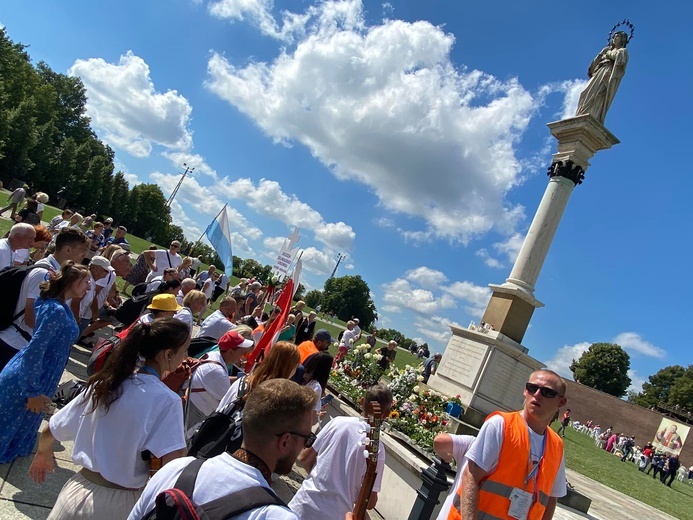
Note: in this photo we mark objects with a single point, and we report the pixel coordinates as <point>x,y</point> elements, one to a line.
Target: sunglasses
<point>549,393</point>
<point>308,439</point>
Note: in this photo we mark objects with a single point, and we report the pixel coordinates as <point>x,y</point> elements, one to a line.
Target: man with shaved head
<point>516,467</point>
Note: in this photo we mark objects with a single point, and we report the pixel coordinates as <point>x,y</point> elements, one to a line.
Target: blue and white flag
<point>219,236</point>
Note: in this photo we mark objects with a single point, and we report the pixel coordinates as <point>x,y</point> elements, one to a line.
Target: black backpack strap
<point>186,480</point>
<point>241,502</point>
<point>21,313</point>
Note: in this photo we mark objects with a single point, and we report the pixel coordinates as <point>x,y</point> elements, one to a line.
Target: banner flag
<point>219,236</point>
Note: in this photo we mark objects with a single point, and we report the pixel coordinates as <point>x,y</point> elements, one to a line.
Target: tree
<point>350,296</point>
<point>659,387</point>
<point>313,298</point>
<point>605,367</point>
<point>682,391</point>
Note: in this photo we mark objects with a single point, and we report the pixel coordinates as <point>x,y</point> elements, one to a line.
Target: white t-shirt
<point>163,259</point>
<point>214,378</point>
<point>230,396</point>
<point>20,256</point>
<point>223,281</point>
<point>334,482</point>
<point>147,416</point>
<point>103,286</point>
<point>30,290</point>
<point>208,288</point>
<point>185,316</point>
<point>154,283</point>
<point>195,264</point>
<point>460,445</point>
<point>39,207</point>
<point>6,253</point>
<point>315,387</point>
<point>218,477</point>
<point>216,325</point>
<point>347,338</point>
<point>85,304</point>
<point>486,451</point>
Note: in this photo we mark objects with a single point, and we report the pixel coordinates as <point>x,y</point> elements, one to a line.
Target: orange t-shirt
<point>307,349</point>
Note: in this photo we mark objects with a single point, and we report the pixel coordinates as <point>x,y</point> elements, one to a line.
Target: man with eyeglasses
<point>165,259</point>
<point>335,464</point>
<point>277,421</point>
<point>516,467</point>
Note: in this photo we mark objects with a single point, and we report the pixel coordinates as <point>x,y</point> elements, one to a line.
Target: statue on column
<point>605,73</point>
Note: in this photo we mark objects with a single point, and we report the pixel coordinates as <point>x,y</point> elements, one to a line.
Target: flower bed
<point>417,413</point>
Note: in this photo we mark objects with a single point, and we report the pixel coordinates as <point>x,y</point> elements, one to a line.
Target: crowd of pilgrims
<point>127,417</point>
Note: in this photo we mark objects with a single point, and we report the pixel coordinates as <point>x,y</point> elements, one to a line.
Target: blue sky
<point>410,136</point>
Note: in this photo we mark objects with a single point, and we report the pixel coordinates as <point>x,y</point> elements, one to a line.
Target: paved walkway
<point>21,498</point>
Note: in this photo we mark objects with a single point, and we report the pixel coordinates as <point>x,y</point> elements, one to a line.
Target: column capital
<point>567,169</point>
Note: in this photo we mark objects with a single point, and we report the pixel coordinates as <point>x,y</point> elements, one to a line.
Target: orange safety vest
<point>511,472</point>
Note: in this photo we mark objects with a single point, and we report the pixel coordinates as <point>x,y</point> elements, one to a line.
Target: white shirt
<point>154,283</point>
<point>214,378</point>
<point>100,291</point>
<point>147,416</point>
<point>218,477</point>
<point>208,288</point>
<point>195,264</point>
<point>315,387</point>
<point>20,256</point>
<point>163,260</point>
<point>85,304</point>
<point>30,290</point>
<point>230,396</point>
<point>6,253</point>
<point>223,281</point>
<point>460,445</point>
<point>216,325</point>
<point>348,339</point>
<point>486,451</point>
<point>185,316</point>
<point>334,482</point>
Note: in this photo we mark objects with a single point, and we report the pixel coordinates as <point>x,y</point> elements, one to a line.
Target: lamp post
<point>175,190</point>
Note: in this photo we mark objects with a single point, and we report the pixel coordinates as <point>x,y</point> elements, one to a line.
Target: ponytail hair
<point>145,340</point>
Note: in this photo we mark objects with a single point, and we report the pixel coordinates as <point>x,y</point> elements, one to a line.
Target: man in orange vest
<point>516,467</point>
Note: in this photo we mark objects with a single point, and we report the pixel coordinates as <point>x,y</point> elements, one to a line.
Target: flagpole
<point>192,249</point>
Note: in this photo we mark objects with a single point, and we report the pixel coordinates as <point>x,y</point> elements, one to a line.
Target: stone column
<point>512,303</point>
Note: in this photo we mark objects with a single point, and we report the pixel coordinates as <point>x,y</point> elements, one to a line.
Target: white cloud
<point>193,160</point>
<point>338,235</point>
<point>316,261</point>
<point>133,180</point>
<point>426,277</point>
<point>636,381</point>
<point>392,309</point>
<point>511,246</point>
<point>476,295</point>
<point>572,89</point>
<point>204,200</point>
<point>385,106</point>
<point>488,259</point>
<point>400,293</point>
<point>560,362</point>
<point>124,104</point>
<point>630,341</point>
<point>633,342</point>
<point>267,198</point>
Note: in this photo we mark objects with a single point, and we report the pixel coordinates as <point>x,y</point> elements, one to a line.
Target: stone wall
<point>586,404</point>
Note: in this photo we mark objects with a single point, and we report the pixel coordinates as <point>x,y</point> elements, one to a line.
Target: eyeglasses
<point>308,439</point>
<point>549,393</point>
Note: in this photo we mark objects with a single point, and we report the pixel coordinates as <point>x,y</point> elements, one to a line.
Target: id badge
<point>520,502</point>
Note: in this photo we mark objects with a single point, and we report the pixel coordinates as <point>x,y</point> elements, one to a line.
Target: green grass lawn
<point>585,458</point>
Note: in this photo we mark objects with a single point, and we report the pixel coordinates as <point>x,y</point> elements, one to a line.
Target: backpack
<point>11,280</point>
<point>199,344</point>
<point>100,352</point>
<point>221,431</point>
<point>176,503</point>
<point>68,391</point>
<point>131,309</point>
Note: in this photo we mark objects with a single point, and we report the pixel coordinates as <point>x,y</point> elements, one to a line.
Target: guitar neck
<point>369,476</point>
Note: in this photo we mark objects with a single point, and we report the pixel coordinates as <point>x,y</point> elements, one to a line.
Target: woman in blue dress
<point>33,374</point>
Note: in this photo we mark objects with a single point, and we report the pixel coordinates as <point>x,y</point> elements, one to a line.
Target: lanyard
<point>535,469</point>
<point>150,370</point>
